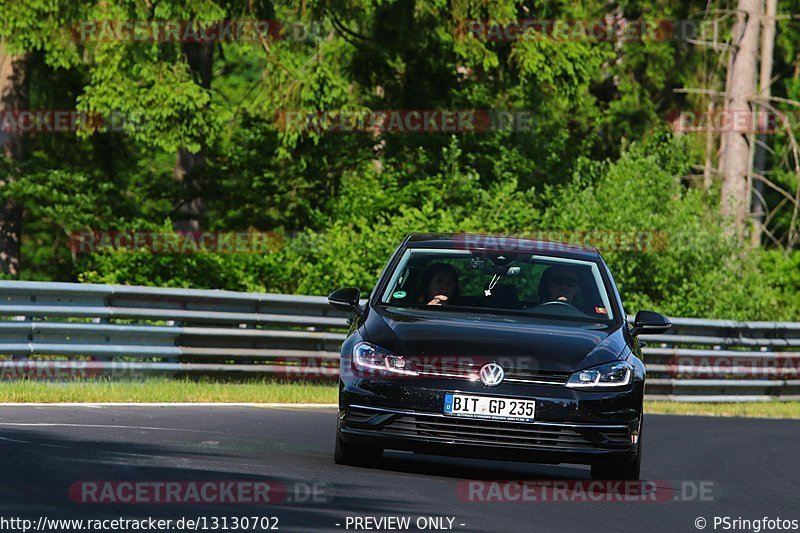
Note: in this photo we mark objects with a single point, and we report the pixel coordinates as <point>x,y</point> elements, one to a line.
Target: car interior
<point>509,284</point>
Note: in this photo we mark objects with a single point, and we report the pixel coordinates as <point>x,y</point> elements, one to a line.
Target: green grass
<point>744,409</point>
<point>166,390</point>
<point>268,391</point>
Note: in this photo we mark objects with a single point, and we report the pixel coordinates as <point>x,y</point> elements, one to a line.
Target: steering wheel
<point>569,309</point>
<point>557,302</point>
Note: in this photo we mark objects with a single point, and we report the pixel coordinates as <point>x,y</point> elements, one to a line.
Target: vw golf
<point>494,347</point>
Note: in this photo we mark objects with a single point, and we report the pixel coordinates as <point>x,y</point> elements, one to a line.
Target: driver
<point>438,284</point>
<point>559,284</point>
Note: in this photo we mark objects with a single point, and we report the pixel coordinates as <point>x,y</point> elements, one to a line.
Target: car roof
<point>501,243</point>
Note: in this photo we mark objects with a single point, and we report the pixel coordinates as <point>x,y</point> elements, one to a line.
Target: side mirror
<point>346,299</point>
<point>650,323</point>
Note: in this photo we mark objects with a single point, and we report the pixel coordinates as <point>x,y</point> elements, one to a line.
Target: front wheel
<point>348,454</point>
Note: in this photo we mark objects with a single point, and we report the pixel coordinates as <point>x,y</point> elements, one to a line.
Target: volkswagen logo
<point>492,374</point>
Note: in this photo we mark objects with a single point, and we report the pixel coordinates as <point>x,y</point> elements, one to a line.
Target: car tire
<point>348,454</point>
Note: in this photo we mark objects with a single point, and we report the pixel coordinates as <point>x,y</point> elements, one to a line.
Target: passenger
<point>438,285</point>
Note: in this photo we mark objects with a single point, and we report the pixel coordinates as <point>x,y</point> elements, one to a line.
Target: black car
<point>494,347</point>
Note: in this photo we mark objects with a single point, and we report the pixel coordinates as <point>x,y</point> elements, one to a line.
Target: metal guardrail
<point>55,329</point>
<point>134,330</point>
<point>724,360</point>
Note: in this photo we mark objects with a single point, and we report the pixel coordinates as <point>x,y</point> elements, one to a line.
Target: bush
<point>693,267</point>
<point>696,269</point>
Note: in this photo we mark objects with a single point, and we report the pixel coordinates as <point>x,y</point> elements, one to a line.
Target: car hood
<point>548,344</point>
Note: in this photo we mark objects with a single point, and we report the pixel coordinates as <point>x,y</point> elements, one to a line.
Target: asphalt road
<point>73,462</point>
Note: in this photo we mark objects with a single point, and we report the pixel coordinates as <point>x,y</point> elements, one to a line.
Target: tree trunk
<point>189,166</point>
<point>13,98</point>
<point>764,91</point>
<point>741,83</point>
<point>708,168</point>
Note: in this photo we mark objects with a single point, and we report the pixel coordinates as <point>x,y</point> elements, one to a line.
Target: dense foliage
<point>598,155</point>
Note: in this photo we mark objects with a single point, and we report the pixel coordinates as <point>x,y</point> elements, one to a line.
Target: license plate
<point>489,407</point>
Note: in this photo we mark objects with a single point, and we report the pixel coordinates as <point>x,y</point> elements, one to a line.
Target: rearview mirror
<point>501,270</point>
<point>346,299</point>
<point>513,271</point>
<point>650,323</point>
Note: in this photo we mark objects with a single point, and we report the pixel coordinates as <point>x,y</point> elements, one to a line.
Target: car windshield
<point>489,282</point>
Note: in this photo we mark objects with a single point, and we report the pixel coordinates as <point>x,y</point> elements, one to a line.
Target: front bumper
<point>572,426</point>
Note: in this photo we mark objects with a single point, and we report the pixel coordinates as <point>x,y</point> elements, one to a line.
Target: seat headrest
<point>504,295</point>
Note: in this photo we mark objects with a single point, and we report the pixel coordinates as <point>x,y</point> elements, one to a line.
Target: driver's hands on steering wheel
<point>438,299</point>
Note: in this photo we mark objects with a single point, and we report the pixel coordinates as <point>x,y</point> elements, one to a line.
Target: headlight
<point>616,374</point>
<point>373,358</point>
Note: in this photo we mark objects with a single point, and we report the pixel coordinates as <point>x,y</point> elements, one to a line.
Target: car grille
<point>469,371</point>
<point>484,432</point>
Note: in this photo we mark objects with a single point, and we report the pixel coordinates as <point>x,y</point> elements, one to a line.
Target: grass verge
<point>166,390</point>
<point>743,409</point>
<point>173,390</point>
